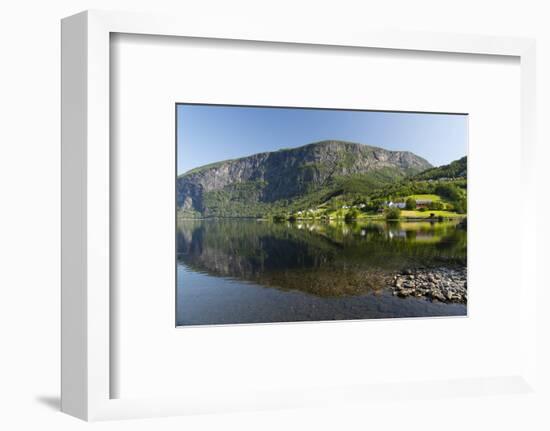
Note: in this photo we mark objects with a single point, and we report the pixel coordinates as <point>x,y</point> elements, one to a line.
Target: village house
<point>423,203</point>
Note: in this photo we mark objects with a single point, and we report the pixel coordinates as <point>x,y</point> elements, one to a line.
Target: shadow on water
<point>306,265</point>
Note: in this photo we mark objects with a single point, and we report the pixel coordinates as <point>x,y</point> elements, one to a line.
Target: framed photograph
<point>286,215</point>
<point>311,207</point>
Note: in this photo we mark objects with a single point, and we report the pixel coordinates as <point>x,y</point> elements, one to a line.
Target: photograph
<point>296,214</point>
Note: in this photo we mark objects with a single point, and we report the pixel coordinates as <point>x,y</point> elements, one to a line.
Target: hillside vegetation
<point>456,169</point>
<point>329,179</point>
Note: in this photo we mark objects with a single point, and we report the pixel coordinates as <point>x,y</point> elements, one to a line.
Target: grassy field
<point>433,198</point>
<point>427,213</point>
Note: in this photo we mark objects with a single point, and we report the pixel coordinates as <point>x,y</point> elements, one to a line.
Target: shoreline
<point>368,218</point>
<point>443,284</point>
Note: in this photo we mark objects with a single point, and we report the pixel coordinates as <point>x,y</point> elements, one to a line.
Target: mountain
<point>250,186</point>
<point>456,169</point>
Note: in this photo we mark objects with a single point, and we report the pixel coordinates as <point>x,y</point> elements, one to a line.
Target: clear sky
<point>209,133</point>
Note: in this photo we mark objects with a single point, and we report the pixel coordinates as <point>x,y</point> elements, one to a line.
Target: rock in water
<point>441,284</point>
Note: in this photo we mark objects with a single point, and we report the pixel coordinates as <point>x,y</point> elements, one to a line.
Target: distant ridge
<point>456,169</point>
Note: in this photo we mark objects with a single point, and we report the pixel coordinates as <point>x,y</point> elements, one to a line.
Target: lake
<point>233,271</point>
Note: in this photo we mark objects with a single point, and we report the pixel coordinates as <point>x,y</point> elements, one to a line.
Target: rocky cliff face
<point>286,174</point>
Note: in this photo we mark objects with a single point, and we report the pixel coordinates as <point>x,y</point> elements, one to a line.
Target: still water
<point>246,271</point>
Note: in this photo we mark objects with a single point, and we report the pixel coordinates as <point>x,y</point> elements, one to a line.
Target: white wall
<point>29,214</point>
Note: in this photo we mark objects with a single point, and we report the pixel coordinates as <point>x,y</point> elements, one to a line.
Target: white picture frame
<point>86,169</point>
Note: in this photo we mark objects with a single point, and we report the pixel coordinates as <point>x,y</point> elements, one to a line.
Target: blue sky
<point>209,133</point>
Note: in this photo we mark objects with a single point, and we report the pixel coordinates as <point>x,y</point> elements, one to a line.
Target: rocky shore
<point>436,284</point>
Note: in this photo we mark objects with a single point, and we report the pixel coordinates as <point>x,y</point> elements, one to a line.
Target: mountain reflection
<point>323,259</point>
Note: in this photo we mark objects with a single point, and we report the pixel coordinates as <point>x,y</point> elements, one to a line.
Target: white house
<point>400,205</point>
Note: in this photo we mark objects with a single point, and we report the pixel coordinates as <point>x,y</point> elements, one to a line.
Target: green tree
<point>410,204</point>
<point>449,191</point>
<point>393,213</point>
<point>460,206</point>
<point>436,205</point>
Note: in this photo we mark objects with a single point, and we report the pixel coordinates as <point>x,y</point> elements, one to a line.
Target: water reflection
<point>316,261</point>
